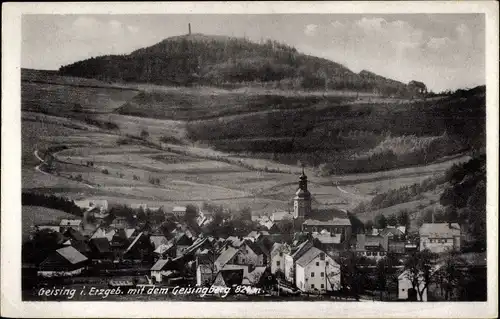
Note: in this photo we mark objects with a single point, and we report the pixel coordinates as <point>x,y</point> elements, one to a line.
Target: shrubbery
<point>51,201</point>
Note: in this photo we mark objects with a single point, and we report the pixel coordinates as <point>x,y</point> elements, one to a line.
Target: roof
<point>71,254</point>
<point>163,248</point>
<point>309,256</point>
<point>226,256</point>
<point>129,232</point>
<point>232,277</point>
<point>234,241</point>
<point>101,244</point>
<point>179,209</point>
<point>391,231</point>
<point>327,217</point>
<point>301,249</point>
<point>254,276</point>
<point>70,222</point>
<point>133,242</point>
<point>440,230</point>
<point>328,238</point>
<point>103,233</point>
<point>158,266</point>
<point>157,241</point>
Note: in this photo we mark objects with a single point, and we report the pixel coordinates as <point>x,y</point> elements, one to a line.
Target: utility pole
<point>189,28</point>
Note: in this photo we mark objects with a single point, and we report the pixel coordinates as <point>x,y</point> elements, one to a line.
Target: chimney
<point>189,27</point>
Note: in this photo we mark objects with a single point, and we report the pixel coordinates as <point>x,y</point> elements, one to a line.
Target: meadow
<point>151,157</point>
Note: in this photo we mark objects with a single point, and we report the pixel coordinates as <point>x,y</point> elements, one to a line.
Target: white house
<point>278,254</point>
<point>440,237</point>
<point>290,259</point>
<point>179,211</point>
<point>405,288</point>
<point>158,271</point>
<point>316,271</point>
<point>66,224</point>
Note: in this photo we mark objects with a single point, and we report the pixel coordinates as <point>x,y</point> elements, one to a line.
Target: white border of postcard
<point>11,304</point>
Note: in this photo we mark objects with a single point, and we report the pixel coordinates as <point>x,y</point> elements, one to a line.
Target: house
<point>290,259</point>
<point>373,247</point>
<point>392,233</point>
<point>440,237</point>
<point>66,224</point>
<point>165,250</point>
<point>140,249</point>
<point>160,270</point>
<point>206,269</point>
<point>250,253</point>
<point>119,222</point>
<point>158,240</point>
<point>332,220</point>
<point>278,253</point>
<point>406,290</point>
<point>101,249</point>
<point>229,278</point>
<point>182,241</point>
<point>53,226</point>
<point>226,257</point>
<point>66,261</point>
<point>317,271</point>
<point>104,233</point>
<point>329,242</point>
<point>102,204</point>
<point>179,211</point>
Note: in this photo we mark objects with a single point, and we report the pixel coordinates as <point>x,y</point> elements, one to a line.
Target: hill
<point>230,62</point>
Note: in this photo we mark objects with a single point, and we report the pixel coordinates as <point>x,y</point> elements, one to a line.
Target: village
<point>305,252</point>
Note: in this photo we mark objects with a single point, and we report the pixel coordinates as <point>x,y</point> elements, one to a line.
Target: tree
<point>369,226</point>
<point>246,213</point>
<point>191,213</point>
<point>403,218</point>
<point>451,274</point>
<point>392,220</point>
<point>420,270</point>
<point>352,276</point>
<point>357,225</point>
<point>380,222</point>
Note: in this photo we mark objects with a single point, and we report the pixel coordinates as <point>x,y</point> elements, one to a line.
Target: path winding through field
<point>38,169</point>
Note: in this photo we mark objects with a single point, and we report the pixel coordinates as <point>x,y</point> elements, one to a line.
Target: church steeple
<point>302,199</point>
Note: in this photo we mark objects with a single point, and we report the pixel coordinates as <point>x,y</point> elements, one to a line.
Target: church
<point>319,220</point>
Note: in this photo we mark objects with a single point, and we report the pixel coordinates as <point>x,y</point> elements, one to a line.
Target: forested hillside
<point>230,62</point>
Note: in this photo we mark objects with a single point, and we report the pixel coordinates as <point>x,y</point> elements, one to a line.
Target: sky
<point>445,51</point>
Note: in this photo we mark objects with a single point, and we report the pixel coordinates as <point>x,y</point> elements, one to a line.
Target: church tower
<point>302,199</point>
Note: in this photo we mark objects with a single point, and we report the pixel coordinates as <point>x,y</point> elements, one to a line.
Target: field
<point>148,158</point>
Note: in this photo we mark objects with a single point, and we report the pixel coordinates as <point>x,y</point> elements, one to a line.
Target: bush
<point>105,171</point>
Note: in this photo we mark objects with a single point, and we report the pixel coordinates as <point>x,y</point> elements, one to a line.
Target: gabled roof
<point>163,248</point>
<point>391,231</point>
<point>440,230</point>
<point>225,256</point>
<point>301,249</point>
<point>71,254</point>
<point>158,266</point>
<point>133,242</point>
<point>158,240</point>
<point>103,233</point>
<point>309,256</point>
<point>101,244</point>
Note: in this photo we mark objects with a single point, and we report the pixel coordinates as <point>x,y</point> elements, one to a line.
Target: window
<point>322,256</point>
<point>327,264</point>
<point>312,286</point>
<point>317,263</point>
<point>278,263</point>
<point>312,274</point>
<point>368,253</point>
<point>322,274</point>
<point>281,254</point>
<point>322,286</point>
<point>382,253</point>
